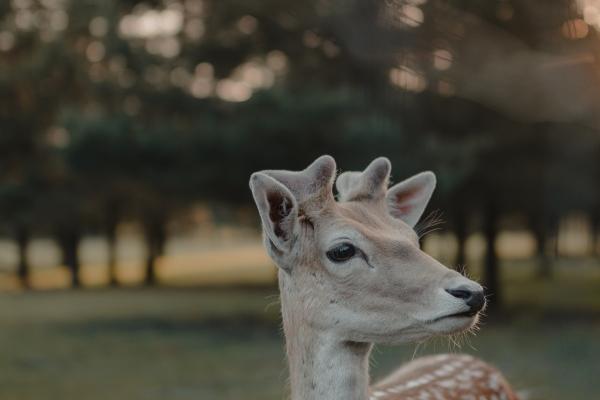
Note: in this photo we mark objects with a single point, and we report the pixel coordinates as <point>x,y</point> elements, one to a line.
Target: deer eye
<point>341,253</point>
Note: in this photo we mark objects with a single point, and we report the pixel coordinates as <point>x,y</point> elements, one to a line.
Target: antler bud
<point>371,184</point>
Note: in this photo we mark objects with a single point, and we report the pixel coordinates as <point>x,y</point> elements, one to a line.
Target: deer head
<point>353,267</point>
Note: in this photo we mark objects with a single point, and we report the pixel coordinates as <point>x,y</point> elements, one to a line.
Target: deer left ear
<point>407,200</point>
<point>278,210</point>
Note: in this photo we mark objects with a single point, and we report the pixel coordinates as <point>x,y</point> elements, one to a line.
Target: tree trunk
<point>150,268</point>
<point>112,223</point>
<point>540,232</point>
<point>594,227</point>
<point>156,237</point>
<point>111,235</point>
<point>23,237</point>
<point>70,252</point>
<point>491,273</point>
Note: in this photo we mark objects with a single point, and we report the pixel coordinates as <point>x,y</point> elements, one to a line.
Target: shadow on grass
<point>232,326</point>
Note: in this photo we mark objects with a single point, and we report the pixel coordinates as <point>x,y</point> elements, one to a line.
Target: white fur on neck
<point>323,366</point>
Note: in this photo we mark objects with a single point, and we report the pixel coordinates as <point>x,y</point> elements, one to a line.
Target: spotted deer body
<point>444,377</point>
<point>351,274</point>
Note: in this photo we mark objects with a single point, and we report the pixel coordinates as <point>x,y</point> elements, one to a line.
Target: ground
<point>226,344</point>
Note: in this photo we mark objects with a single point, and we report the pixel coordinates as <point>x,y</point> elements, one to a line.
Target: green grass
<point>226,344</point>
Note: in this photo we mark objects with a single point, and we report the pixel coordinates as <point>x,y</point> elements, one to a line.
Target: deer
<point>352,274</point>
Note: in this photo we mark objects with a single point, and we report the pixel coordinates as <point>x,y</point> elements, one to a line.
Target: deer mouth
<point>464,314</point>
<point>453,323</point>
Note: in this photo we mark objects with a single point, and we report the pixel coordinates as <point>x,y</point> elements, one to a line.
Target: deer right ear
<point>278,210</point>
<point>407,200</point>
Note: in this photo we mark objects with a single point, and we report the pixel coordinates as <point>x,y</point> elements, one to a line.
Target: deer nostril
<point>474,298</point>
<point>459,293</point>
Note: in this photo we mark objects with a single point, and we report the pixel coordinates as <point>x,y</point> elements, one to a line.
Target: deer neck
<point>321,365</point>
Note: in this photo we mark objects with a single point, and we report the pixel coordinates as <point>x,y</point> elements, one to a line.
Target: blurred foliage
<point>117,111</point>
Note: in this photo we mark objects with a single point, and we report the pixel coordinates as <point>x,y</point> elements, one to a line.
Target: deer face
<point>353,267</point>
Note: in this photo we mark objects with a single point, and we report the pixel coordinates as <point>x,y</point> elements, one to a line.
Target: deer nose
<point>473,297</point>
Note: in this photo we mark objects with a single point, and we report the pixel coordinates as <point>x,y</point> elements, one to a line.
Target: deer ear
<point>311,187</point>
<point>407,200</point>
<point>278,210</point>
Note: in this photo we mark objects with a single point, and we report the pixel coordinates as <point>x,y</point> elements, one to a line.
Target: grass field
<point>226,345</point>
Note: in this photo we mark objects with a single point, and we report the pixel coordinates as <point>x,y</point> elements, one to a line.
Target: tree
<point>17,203</point>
